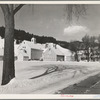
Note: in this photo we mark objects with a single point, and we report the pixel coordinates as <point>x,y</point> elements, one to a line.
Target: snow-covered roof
<point>66,52</point>
<point>57,51</point>
<point>34,46</point>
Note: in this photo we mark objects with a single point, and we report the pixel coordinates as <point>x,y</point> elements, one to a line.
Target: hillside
<point>21,35</point>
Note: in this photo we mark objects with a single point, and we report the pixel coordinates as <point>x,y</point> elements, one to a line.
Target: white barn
<point>55,52</point>
<point>32,49</point>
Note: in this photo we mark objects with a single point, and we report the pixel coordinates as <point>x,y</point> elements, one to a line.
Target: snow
<point>1,51</point>
<point>66,52</point>
<point>1,42</point>
<point>67,74</point>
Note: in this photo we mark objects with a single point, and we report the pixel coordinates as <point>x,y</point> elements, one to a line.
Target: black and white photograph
<point>50,49</point>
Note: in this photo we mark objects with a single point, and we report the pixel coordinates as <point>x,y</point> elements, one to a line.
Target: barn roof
<point>34,46</point>
<point>66,52</point>
<point>57,51</point>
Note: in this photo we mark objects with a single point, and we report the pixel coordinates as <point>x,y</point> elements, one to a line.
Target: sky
<point>50,20</point>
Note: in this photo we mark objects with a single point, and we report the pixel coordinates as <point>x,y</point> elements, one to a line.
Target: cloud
<point>74,30</point>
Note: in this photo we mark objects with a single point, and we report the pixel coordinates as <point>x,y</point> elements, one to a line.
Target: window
<point>25,51</point>
<point>24,47</point>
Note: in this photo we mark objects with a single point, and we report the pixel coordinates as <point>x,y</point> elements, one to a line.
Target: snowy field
<point>67,73</point>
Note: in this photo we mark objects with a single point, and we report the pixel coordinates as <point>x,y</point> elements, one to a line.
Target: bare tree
<point>8,63</point>
<point>75,47</point>
<point>92,41</point>
<point>86,41</point>
<point>92,47</point>
<point>75,10</point>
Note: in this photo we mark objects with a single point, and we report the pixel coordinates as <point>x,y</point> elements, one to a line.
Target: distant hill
<point>21,35</point>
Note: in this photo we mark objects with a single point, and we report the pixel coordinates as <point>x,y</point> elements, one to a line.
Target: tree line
<point>20,35</point>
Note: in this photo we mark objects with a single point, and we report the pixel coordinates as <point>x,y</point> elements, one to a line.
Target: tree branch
<point>18,8</point>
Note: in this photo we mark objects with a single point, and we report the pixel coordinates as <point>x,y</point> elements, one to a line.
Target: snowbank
<point>68,73</point>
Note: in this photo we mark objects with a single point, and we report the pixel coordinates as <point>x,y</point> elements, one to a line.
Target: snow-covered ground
<point>68,73</point>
